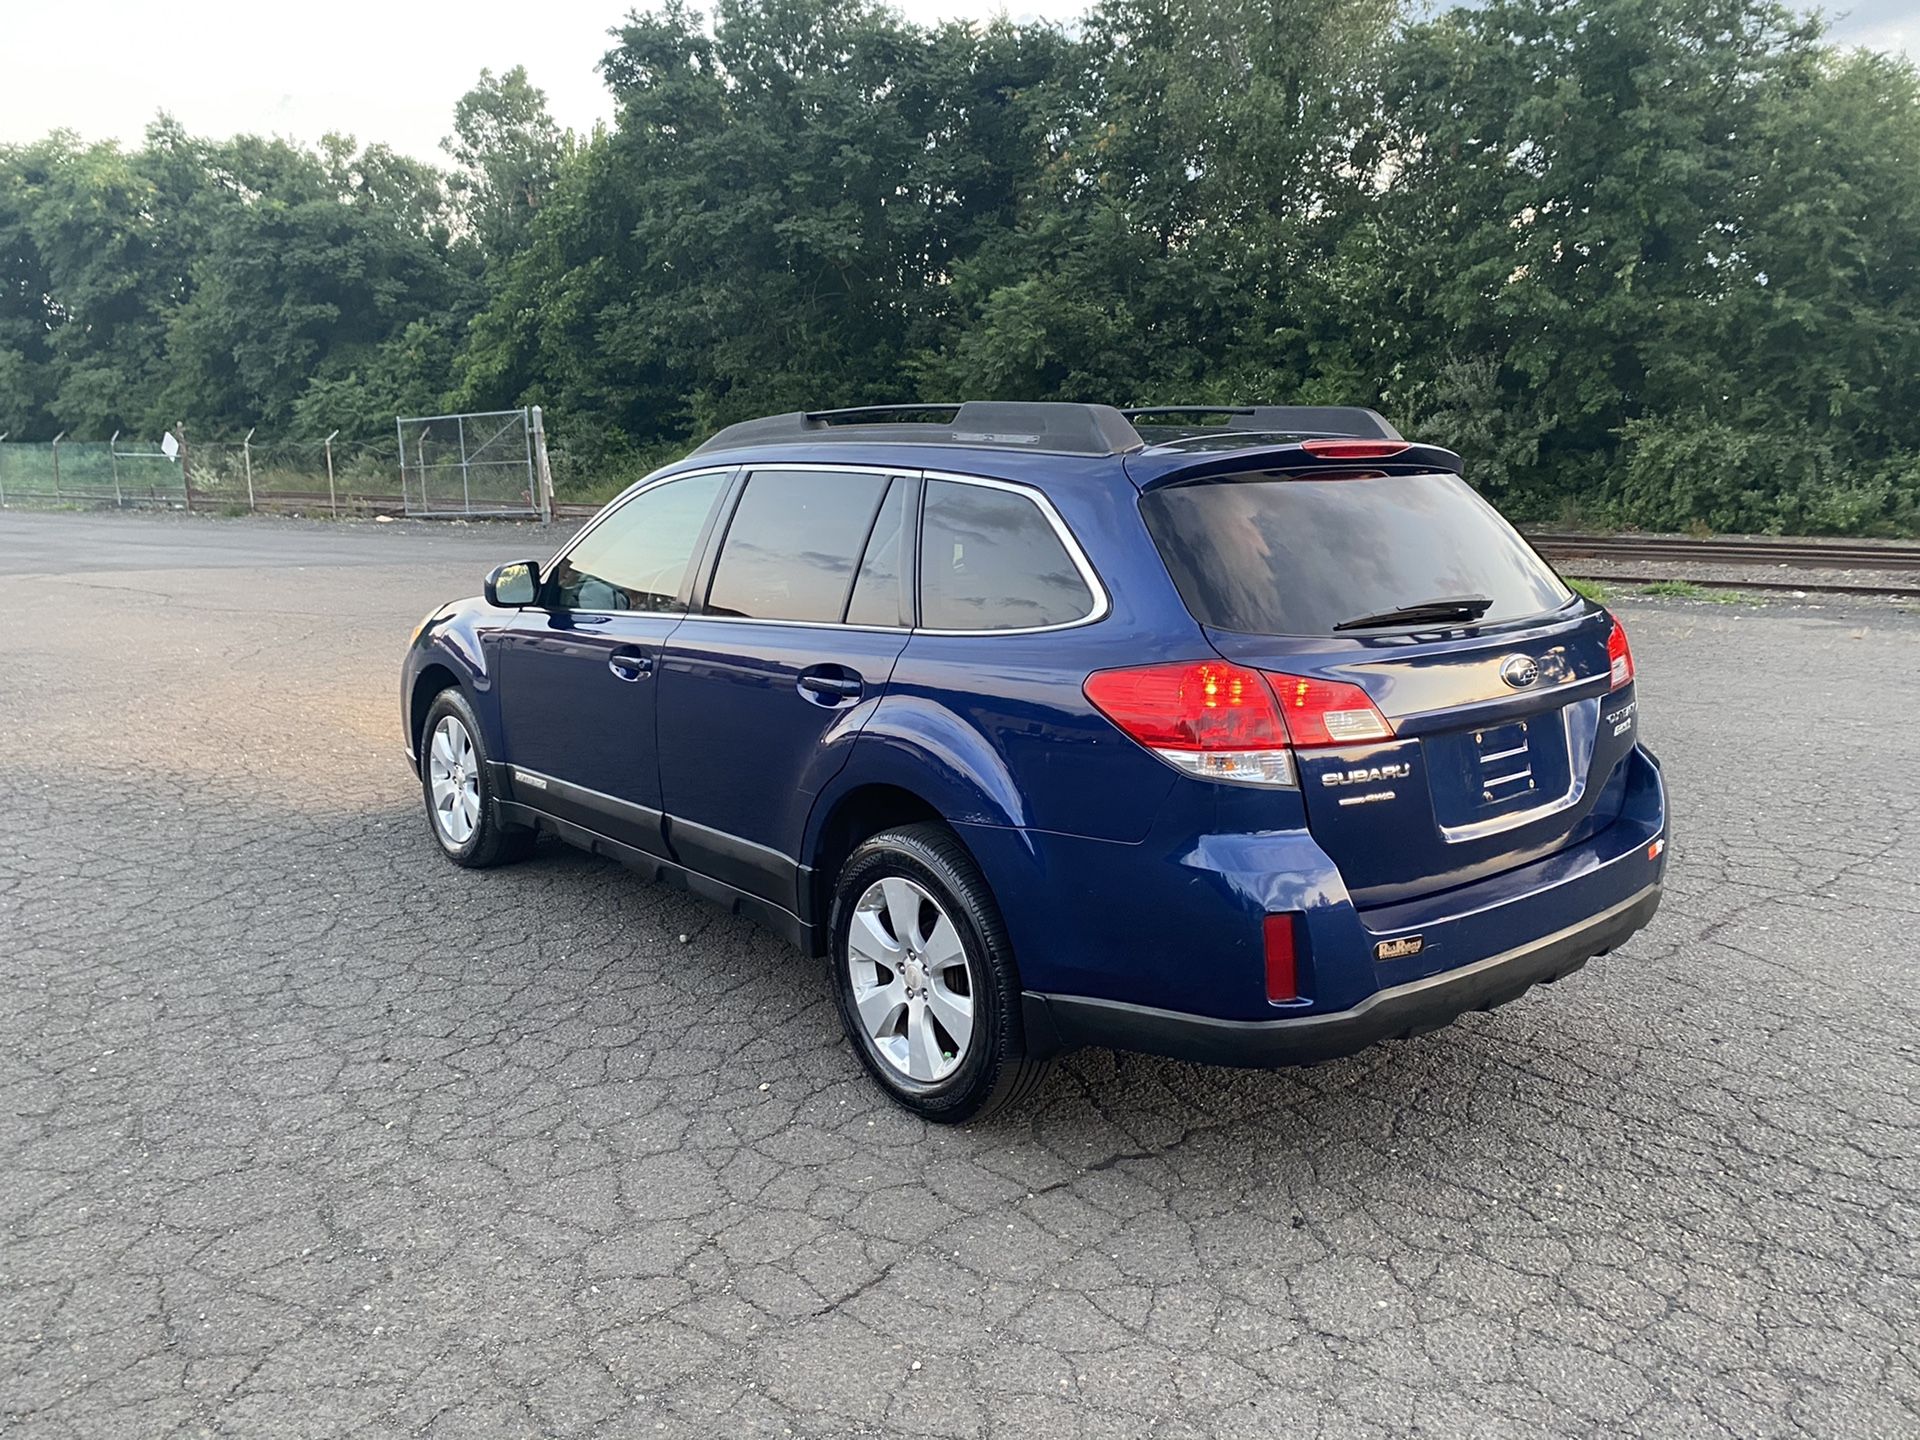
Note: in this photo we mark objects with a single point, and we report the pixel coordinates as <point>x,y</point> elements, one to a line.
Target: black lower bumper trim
<point>1057,1023</point>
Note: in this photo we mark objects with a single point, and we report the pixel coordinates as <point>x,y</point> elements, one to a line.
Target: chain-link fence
<point>88,472</point>
<point>473,464</point>
<point>454,465</point>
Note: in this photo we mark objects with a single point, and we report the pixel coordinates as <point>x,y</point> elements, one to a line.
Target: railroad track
<point>1797,554</point>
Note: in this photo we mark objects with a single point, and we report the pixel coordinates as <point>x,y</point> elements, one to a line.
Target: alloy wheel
<point>453,780</point>
<point>913,986</point>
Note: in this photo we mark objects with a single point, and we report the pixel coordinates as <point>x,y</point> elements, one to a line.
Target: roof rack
<point>1308,421</point>
<point>1051,427</point>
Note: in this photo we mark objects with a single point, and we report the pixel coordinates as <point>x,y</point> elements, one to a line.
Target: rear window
<point>1296,557</point>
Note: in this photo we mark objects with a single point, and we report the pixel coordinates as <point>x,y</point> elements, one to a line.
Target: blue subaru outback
<point>1246,736</point>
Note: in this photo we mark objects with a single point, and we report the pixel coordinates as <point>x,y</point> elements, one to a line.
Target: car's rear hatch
<point>1507,725</point>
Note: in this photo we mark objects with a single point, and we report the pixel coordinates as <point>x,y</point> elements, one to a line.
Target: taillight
<point>1221,721</point>
<point>1206,717</point>
<point>1619,654</point>
<point>1283,963</point>
<point>1327,712</point>
<point>1353,449</point>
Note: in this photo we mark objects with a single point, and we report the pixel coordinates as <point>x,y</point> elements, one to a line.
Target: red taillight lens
<point>1353,449</point>
<point>1283,965</point>
<point>1206,717</point>
<point>1327,712</point>
<point>1619,654</point>
<point>1203,705</point>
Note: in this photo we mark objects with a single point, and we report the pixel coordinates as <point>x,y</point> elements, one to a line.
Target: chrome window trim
<point>1102,605</point>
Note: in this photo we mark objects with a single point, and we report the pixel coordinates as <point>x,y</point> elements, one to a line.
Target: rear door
<point>1507,730</point>
<point>779,666</point>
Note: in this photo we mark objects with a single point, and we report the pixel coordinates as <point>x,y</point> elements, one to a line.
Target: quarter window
<point>637,558</point>
<point>989,560</point>
<point>795,539</point>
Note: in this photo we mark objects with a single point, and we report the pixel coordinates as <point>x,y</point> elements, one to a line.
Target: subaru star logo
<point>1519,671</point>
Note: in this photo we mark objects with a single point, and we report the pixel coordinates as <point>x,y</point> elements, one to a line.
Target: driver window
<point>637,557</point>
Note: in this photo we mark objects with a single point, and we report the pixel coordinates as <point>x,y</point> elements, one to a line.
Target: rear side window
<point>637,558</point>
<point>791,549</point>
<point>1297,557</point>
<point>990,560</point>
<point>877,588</point>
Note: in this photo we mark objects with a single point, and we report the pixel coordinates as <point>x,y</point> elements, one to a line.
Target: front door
<point>764,686</point>
<point>578,674</point>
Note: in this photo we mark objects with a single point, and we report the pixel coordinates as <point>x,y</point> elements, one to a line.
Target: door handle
<point>824,687</point>
<point>630,664</point>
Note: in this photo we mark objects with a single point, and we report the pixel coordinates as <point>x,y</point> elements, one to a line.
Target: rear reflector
<point>1283,970</point>
<point>1206,717</point>
<point>1318,713</point>
<point>1619,654</point>
<point>1354,449</point>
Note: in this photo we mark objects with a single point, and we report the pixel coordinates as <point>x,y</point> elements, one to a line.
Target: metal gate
<point>486,463</point>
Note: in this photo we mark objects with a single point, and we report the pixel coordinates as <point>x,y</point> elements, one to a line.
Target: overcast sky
<point>385,70</point>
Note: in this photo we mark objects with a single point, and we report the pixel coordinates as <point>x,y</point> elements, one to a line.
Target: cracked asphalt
<point>308,1133</point>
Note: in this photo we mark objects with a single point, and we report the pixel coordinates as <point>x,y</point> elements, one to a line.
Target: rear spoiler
<point>1327,457</point>
<point>1274,420</point>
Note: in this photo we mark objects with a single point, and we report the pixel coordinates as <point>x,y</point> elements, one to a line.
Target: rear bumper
<point>1057,1023</point>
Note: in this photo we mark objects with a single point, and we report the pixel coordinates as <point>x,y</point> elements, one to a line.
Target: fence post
<point>333,504</point>
<point>466,475</point>
<point>3,471</point>
<point>56,463</point>
<point>543,476</point>
<point>113,461</point>
<point>420,464</point>
<point>246,459</point>
<point>186,474</point>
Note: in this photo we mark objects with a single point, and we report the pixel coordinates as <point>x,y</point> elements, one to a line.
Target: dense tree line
<point>1645,261</point>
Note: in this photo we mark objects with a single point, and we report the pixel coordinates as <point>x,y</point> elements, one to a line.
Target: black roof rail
<point>1048,426</point>
<point>1304,420</point>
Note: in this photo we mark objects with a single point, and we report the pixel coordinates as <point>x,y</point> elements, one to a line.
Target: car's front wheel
<point>925,977</point>
<point>458,787</point>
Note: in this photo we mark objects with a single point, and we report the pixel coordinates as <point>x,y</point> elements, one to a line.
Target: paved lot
<point>306,1132</point>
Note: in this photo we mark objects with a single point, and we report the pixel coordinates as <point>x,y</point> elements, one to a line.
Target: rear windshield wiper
<point>1452,607</point>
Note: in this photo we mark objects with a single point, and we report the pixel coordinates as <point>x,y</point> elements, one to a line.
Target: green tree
<point>507,152</point>
<point>313,263</point>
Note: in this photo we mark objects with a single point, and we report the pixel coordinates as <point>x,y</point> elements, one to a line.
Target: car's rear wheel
<point>925,977</point>
<point>458,786</point>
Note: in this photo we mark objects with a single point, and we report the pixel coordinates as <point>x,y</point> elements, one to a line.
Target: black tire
<point>491,842</point>
<point>995,1071</point>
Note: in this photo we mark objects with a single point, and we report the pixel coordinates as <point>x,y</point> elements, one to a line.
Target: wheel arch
<point>432,679</point>
<point>856,813</point>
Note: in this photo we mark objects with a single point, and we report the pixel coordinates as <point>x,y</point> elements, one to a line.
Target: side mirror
<point>509,586</point>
